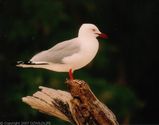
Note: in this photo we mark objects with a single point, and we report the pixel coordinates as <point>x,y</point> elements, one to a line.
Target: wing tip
<point>24,62</point>
<point>21,63</point>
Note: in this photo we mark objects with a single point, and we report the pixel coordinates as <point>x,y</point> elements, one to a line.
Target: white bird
<point>68,55</point>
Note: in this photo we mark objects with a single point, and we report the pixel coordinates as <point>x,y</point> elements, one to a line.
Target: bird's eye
<point>93,29</point>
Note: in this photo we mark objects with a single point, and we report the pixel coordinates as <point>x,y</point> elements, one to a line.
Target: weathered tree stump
<point>79,106</point>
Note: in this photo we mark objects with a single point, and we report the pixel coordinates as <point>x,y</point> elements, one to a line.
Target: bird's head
<point>90,30</point>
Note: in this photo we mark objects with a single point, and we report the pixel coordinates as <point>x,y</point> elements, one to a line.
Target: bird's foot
<point>71,74</point>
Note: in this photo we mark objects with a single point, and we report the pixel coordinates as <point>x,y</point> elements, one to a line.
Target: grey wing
<point>58,52</point>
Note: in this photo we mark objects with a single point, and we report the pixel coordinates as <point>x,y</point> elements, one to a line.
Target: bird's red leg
<point>71,74</point>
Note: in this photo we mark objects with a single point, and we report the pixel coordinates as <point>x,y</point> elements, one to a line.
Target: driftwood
<point>79,106</point>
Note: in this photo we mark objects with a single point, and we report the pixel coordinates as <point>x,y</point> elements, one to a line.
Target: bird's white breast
<point>88,50</point>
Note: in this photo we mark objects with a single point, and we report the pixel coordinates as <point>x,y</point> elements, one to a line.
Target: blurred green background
<point>123,75</point>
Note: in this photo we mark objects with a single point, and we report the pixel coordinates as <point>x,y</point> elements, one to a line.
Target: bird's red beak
<point>102,35</point>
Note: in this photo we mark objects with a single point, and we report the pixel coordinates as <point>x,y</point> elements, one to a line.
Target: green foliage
<point>35,15</point>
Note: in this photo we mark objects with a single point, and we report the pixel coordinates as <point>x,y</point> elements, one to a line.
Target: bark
<point>79,106</point>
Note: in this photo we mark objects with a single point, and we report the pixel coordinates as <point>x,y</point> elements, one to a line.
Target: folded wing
<point>58,52</point>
